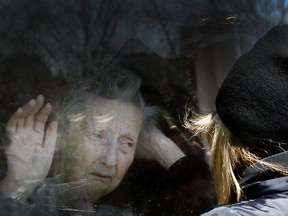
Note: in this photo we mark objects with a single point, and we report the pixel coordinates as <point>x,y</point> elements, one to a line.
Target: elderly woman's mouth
<point>100,176</point>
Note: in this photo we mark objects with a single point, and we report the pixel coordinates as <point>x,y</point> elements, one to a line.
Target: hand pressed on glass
<point>31,148</point>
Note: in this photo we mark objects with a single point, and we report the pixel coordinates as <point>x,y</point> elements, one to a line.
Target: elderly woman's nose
<point>109,154</point>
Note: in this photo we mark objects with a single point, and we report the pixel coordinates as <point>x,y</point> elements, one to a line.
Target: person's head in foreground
<point>100,133</point>
<point>251,119</point>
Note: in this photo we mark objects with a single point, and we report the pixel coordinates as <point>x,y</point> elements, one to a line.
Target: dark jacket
<point>266,192</point>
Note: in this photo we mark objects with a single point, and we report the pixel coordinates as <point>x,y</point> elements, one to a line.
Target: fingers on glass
<point>33,114</point>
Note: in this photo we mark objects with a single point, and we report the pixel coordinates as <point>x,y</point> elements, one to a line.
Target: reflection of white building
<point>212,36</point>
<point>215,40</point>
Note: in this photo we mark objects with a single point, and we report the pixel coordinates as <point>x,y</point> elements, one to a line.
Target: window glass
<point>180,50</point>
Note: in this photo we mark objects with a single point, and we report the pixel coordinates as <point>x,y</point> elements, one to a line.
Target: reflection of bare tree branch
<point>77,41</point>
<point>283,10</point>
<point>160,19</point>
<point>78,35</point>
<point>251,5</point>
<point>108,19</point>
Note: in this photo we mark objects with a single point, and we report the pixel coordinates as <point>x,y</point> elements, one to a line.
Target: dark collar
<point>267,187</point>
<point>257,181</point>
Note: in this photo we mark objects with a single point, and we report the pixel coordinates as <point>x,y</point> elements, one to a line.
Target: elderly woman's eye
<point>127,147</point>
<point>94,135</point>
<point>98,135</point>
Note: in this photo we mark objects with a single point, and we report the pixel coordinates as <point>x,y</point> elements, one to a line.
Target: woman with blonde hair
<point>247,135</point>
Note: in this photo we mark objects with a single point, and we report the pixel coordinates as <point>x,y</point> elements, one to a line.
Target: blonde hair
<point>227,153</point>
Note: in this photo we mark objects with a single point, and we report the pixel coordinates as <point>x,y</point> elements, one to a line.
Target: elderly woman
<point>98,136</point>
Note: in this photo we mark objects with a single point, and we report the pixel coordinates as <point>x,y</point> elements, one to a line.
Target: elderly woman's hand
<point>156,146</point>
<point>30,150</point>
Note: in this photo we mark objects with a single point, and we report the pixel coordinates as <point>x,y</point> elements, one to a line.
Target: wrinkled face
<point>107,146</point>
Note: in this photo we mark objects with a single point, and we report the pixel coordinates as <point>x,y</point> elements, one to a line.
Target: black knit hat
<point>253,99</point>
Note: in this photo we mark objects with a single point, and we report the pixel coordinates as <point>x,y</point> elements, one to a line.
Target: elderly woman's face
<point>107,146</point>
